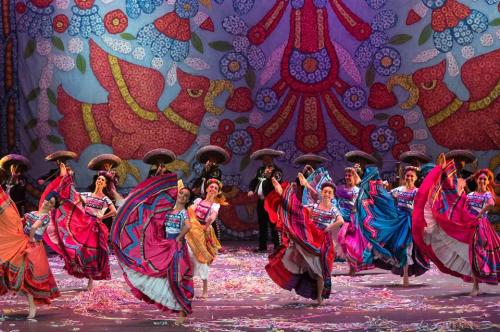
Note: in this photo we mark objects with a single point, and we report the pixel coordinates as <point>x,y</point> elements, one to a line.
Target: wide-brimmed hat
<point>414,157</point>
<point>61,156</point>
<point>260,154</point>
<point>159,156</point>
<point>358,156</point>
<point>310,158</point>
<point>97,162</point>
<point>12,159</point>
<point>466,155</point>
<point>203,154</point>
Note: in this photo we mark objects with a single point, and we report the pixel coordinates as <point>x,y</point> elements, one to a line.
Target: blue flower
<point>162,45</point>
<point>491,2</point>
<point>384,20</point>
<point>85,22</point>
<point>387,61</point>
<point>354,98</point>
<point>376,4</point>
<point>364,54</point>
<point>135,7</point>
<point>234,25</point>
<point>266,100</point>
<point>383,139</point>
<point>319,3</point>
<point>241,7</point>
<point>240,142</point>
<point>186,8</point>
<point>37,21</point>
<point>296,4</point>
<point>256,57</point>
<point>337,149</point>
<point>233,66</point>
<point>309,67</point>
<point>433,4</point>
<point>379,39</point>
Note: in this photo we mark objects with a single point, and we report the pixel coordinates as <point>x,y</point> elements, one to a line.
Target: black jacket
<point>267,185</point>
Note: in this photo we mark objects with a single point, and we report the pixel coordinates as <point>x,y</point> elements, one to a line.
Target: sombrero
<point>61,156</point>
<point>203,154</point>
<point>259,154</point>
<point>159,156</point>
<point>310,158</point>
<point>97,162</point>
<point>414,157</point>
<point>13,158</point>
<point>357,156</point>
<point>461,154</point>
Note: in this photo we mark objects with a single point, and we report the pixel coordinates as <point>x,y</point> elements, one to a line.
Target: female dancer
<point>304,260</point>
<point>85,250</point>
<point>404,195</point>
<point>451,228</point>
<point>157,266</point>
<point>202,241</point>
<point>24,265</point>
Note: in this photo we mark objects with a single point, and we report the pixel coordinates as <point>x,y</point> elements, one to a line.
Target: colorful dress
<point>24,266</point>
<point>476,201</point>
<point>446,228</point>
<point>143,234</point>
<point>77,233</point>
<point>202,247</point>
<point>307,252</point>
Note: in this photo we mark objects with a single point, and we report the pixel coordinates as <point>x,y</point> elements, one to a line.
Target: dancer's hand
<point>63,170</point>
<point>302,179</point>
<point>277,186</point>
<point>250,193</point>
<point>441,160</point>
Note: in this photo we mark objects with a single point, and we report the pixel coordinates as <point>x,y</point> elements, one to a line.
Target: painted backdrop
<point>322,76</point>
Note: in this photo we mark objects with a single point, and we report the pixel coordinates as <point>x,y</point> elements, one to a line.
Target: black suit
<point>262,215</point>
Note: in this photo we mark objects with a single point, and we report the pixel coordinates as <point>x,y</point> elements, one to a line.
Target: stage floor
<point>242,297</point>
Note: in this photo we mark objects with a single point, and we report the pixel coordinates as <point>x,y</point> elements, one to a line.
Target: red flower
<point>20,7</point>
<point>41,3</point>
<point>115,21</point>
<point>396,122</point>
<point>405,135</point>
<point>397,149</point>
<point>84,4</point>
<point>226,126</point>
<point>218,139</point>
<point>60,23</point>
<point>257,34</point>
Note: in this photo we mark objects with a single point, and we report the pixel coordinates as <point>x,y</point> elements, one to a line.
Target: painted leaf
<point>30,48</point>
<point>58,43</point>
<point>245,161</point>
<point>31,124</point>
<point>54,139</point>
<point>495,22</point>
<point>33,94</point>
<point>272,64</point>
<point>242,120</point>
<point>425,34</point>
<point>370,75</point>
<point>127,36</point>
<point>196,63</point>
<point>381,116</point>
<point>52,96</point>
<point>196,41</point>
<point>172,75</point>
<point>34,145</point>
<point>221,45</point>
<point>52,123</point>
<point>400,39</point>
<point>347,63</point>
<point>81,64</point>
<point>426,55</point>
<point>250,79</point>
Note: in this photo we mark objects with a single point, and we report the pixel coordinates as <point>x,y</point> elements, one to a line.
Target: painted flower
<point>241,44</point>
<point>41,3</point>
<point>157,63</point>
<point>75,45</point>
<point>218,138</point>
<point>376,4</point>
<point>405,135</point>
<point>242,7</point>
<point>337,149</point>
<point>256,57</point>
<point>383,138</point>
<point>233,66</point>
<point>354,98</point>
<point>86,22</point>
<point>399,148</point>
<point>379,39</point>
<point>20,7</point>
<point>396,122</point>
<point>364,54</point>
<point>240,142</point>
<point>60,23</point>
<point>226,126</point>
<point>161,45</point>
<point>43,46</point>
<point>234,25</point>
<point>139,53</point>
<point>289,148</point>
<point>84,4</point>
<point>62,4</point>
<point>433,4</point>
<point>266,100</point>
<point>296,4</point>
<point>186,8</point>
<point>384,20</point>
<point>115,21</point>
<point>310,68</point>
<point>366,114</point>
<point>389,176</point>
<point>255,118</point>
<point>135,7</point>
<point>37,21</point>
<point>387,61</point>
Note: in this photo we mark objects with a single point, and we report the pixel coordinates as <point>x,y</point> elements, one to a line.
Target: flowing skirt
<point>157,269</point>
<point>306,252</point>
<point>24,266</point>
<point>81,239</point>
<point>446,232</point>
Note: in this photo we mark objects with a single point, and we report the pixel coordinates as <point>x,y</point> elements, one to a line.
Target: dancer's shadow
<point>398,286</point>
<point>361,274</point>
<point>465,294</point>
